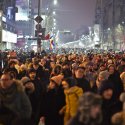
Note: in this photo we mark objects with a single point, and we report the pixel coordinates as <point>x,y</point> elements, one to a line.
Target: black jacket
<point>109,108</point>
<point>117,83</point>
<point>84,84</point>
<point>54,101</point>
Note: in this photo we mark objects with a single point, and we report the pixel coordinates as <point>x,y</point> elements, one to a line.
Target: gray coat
<point>16,100</point>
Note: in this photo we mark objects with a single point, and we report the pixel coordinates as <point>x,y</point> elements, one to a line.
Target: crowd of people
<point>62,89</point>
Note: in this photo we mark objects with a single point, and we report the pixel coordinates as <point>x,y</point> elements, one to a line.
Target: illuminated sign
<point>9,37</point>
<point>23,9</point>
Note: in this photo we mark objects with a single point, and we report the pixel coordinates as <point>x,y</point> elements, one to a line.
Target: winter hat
<point>25,80</point>
<point>106,84</point>
<point>57,79</point>
<point>89,99</point>
<point>104,74</point>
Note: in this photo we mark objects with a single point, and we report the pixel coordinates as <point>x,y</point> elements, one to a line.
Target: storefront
<point>9,40</point>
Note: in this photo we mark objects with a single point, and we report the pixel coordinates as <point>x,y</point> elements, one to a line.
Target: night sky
<point>82,14</point>
<point>74,14</point>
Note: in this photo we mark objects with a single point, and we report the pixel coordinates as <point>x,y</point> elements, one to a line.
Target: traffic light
<point>40,33</point>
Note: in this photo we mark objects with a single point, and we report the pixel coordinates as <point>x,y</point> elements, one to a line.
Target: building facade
<point>112,15</point>
<point>8,36</point>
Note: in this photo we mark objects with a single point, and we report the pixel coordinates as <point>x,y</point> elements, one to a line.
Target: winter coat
<point>72,97</point>
<point>36,99</point>
<point>84,84</point>
<point>54,101</point>
<point>109,108</point>
<point>16,101</point>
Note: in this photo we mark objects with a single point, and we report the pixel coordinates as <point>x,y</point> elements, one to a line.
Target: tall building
<point>8,36</point>
<point>112,15</point>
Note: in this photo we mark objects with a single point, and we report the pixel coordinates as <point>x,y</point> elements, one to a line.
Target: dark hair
<point>71,81</point>
<point>31,70</point>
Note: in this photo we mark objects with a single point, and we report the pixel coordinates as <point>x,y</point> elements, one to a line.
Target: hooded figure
<point>89,110</point>
<point>110,104</point>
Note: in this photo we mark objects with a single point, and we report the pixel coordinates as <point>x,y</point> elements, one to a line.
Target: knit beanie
<point>104,74</point>
<point>106,84</point>
<point>57,79</point>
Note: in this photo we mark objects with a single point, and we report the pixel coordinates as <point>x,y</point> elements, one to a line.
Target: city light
<point>54,28</point>
<point>55,2</point>
<point>54,20</point>
<point>54,24</point>
<point>54,13</point>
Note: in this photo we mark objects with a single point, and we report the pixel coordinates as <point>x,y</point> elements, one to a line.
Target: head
<point>12,64</point>
<point>123,61</point>
<point>68,82</point>
<point>35,61</point>
<point>111,69</point>
<point>6,80</point>
<point>32,74</point>
<point>106,90</point>
<point>103,75</point>
<point>79,72</point>
<point>90,108</point>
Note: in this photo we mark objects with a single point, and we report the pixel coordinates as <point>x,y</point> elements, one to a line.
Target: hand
<point>42,119</point>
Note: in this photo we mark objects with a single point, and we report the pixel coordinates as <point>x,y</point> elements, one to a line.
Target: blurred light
<point>108,29</point>
<point>54,24</point>
<point>55,2</point>
<point>54,20</point>
<point>54,28</point>
<point>47,8</point>
<point>123,22</point>
<point>54,13</point>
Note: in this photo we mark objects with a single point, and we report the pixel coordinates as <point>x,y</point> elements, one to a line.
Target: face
<point>107,94</point>
<point>6,81</point>
<point>79,73</point>
<point>52,64</point>
<point>95,111</point>
<point>65,85</point>
<point>102,68</point>
<point>111,70</point>
<point>101,78</point>
<point>32,75</point>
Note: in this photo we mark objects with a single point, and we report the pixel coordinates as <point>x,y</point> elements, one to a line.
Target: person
<point>36,97</point>
<point>114,76</point>
<point>103,75</point>
<point>122,76</point>
<point>121,67</point>
<point>54,101</point>
<point>89,110</point>
<point>15,108</point>
<point>111,104</point>
<point>81,80</point>
<point>72,94</point>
